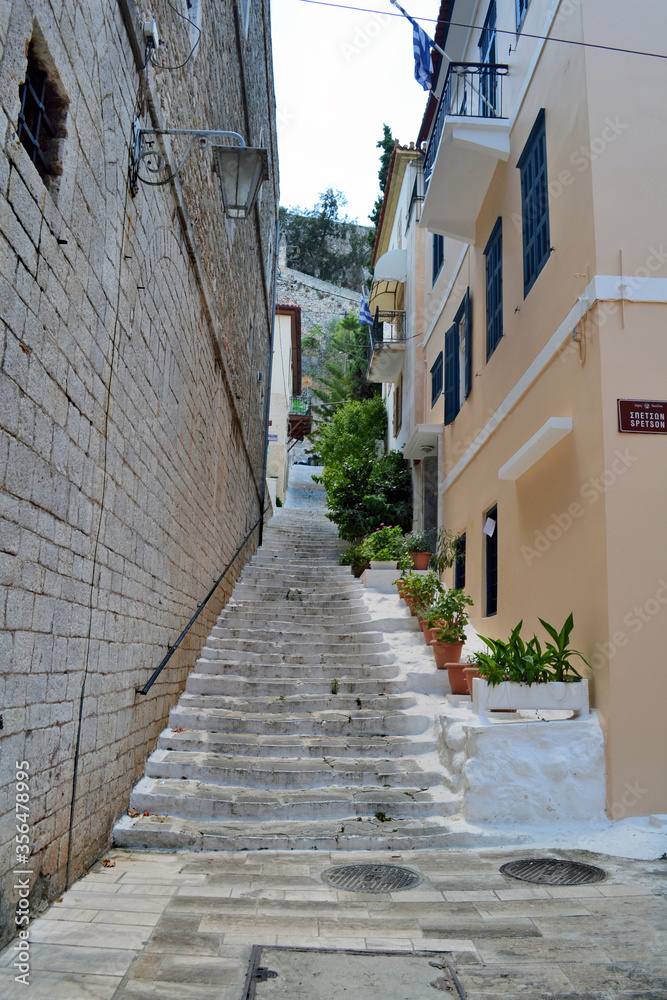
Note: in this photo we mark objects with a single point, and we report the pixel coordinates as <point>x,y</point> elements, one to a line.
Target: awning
<point>392,266</point>
<point>387,296</point>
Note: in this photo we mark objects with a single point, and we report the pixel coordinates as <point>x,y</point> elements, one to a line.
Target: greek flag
<point>365,317</point>
<point>421,44</point>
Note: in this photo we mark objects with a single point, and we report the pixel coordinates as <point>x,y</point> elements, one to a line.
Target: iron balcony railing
<point>300,404</point>
<point>472,90</point>
<point>388,328</point>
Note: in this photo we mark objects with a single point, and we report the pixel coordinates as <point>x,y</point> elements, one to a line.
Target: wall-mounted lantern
<point>242,169</point>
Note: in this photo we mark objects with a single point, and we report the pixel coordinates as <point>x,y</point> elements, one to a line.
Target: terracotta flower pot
<point>470,674</point>
<point>457,678</point>
<point>420,560</point>
<point>446,652</point>
<point>429,635</point>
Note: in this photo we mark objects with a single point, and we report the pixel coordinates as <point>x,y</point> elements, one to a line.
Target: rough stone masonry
<point>133,333</point>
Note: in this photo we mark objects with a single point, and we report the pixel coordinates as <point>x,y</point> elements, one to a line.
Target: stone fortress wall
<point>132,415</point>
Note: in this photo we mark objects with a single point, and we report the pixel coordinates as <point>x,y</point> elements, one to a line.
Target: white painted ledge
<point>549,434</point>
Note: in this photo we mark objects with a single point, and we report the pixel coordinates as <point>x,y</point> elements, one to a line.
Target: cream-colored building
<point>543,309</point>
<point>289,414</point>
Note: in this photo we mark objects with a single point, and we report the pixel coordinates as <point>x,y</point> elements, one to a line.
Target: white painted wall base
<point>528,773</point>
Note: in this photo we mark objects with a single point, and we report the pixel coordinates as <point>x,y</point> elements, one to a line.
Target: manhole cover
<point>551,871</point>
<point>371,878</point>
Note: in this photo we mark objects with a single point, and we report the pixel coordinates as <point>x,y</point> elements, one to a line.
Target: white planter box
<point>383,563</point>
<point>552,696</point>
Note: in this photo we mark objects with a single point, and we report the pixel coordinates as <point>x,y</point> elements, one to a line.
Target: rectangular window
<point>488,86</point>
<point>521,8</point>
<point>534,203</point>
<point>491,541</point>
<point>398,405</point>
<point>460,564</point>
<point>438,255</point>
<point>41,117</point>
<point>458,360</point>
<point>494,288</point>
<point>436,380</point>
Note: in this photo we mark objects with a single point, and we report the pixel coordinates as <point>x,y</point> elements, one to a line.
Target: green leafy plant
<point>353,429</point>
<point>354,558</point>
<point>385,543</point>
<point>560,654</point>
<point>445,550</point>
<point>363,493</point>
<point>448,616</point>
<point>334,686</point>
<point>418,541</point>
<point>526,662</point>
<point>421,590</point>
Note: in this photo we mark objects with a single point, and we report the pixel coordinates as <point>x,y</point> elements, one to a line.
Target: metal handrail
<point>172,649</point>
<point>461,98</point>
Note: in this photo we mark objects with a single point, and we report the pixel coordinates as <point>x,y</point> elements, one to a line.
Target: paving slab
<point>194,941</point>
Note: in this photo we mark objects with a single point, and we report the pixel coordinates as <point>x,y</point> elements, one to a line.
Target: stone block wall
<point>132,416</point>
<point>320,301</point>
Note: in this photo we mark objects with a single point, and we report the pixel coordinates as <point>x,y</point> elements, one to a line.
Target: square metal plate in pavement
<point>313,974</point>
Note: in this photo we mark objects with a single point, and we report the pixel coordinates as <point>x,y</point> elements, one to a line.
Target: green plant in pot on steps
<point>516,665</point>
<point>418,546</point>
<point>448,617</point>
<point>385,546</point>
<point>420,591</point>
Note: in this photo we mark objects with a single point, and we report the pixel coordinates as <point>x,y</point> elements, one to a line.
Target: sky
<point>339,75</point>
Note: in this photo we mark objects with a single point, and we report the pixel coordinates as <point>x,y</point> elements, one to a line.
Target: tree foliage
<point>365,492</point>
<point>386,144</point>
<point>341,371</point>
<point>324,243</point>
<point>352,431</point>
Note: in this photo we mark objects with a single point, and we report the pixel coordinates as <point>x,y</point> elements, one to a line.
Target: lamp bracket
<point>155,162</point>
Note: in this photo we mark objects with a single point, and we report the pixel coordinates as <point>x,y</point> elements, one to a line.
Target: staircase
<point>294,730</point>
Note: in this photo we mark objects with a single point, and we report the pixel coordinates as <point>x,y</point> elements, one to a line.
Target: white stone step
<point>287,773</point>
<point>222,650</point>
<point>291,704</point>
<point>259,753</point>
<point>335,723</point>
<point>300,746</point>
<point>201,800</point>
<point>261,688</point>
<point>260,669</point>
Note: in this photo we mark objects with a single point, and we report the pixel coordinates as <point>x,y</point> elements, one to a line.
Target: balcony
<point>299,421</point>
<point>387,346</point>
<point>470,135</point>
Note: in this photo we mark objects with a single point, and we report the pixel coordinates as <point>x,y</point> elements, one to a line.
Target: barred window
<point>41,117</point>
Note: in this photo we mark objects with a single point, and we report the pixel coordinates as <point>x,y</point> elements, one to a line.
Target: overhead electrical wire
<point>498,31</point>
<point>192,50</point>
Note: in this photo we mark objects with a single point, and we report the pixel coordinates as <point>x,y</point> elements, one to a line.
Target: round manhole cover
<point>551,871</point>
<point>371,878</point>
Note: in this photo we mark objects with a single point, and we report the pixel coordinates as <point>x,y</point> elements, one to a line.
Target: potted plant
<point>522,674</point>
<point>448,617</point>
<point>472,671</point>
<point>445,550</point>
<point>419,547</point>
<point>420,590</point>
<point>384,547</point>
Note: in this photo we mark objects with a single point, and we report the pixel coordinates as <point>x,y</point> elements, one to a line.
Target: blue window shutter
<point>534,203</point>
<point>467,312</point>
<point>451,373</point>
<point>494,288</point>
<point>436,380</point>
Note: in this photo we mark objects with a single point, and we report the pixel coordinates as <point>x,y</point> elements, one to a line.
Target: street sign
<point>642,416</point>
